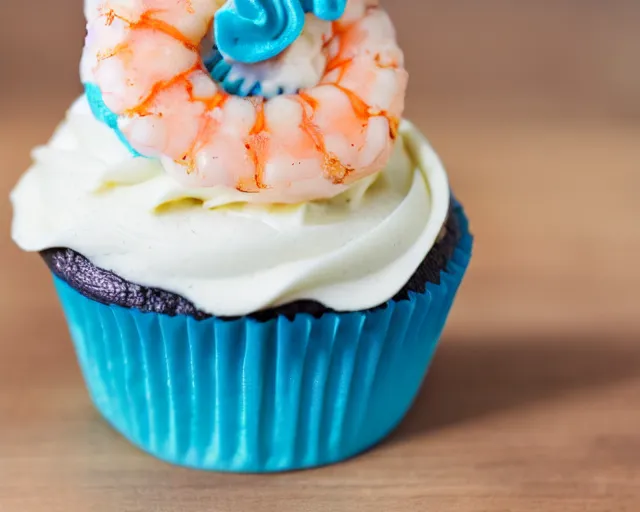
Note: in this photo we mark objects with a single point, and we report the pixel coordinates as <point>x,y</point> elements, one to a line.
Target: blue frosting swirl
<point>220,69</point>
<point>328,10</point>
<point>252,31</point>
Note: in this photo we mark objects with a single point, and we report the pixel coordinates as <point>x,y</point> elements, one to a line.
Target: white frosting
<point>87,193</point>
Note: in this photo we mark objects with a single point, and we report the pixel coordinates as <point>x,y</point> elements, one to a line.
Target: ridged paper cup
<point>252,396</point>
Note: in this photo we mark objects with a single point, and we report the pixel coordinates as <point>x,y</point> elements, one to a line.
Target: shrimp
<point>146,58</point>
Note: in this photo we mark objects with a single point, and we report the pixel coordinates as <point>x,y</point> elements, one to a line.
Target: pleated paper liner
<point>247,396</point>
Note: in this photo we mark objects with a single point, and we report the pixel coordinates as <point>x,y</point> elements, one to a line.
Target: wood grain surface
<point>533,401</point>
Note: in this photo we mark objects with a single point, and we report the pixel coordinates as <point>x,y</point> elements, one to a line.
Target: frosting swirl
<point>300,66</point>
<point>252,31</point>
<point>86,192</point>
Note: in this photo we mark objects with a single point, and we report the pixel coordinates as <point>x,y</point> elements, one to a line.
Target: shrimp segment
<point>145,57</point>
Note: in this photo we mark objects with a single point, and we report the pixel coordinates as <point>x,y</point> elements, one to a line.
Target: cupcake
<point>256,255</point>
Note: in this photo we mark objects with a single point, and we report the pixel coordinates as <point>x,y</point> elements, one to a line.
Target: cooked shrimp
<point>145,57</point>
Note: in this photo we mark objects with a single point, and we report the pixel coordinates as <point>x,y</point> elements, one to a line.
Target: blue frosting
<point>104,114</point>
<point>329,10</point>
<point>252,31</point>
<point>219,70</point>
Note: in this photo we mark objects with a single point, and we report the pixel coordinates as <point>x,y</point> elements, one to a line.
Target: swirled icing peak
<point>252,31</point>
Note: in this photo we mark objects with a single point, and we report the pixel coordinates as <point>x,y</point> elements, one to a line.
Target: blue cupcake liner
<point>245,396</point>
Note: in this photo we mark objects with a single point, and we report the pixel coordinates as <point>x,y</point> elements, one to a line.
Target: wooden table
<point>533,402</point>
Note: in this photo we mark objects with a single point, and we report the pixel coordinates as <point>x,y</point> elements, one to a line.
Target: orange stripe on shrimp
<point>285,149</point>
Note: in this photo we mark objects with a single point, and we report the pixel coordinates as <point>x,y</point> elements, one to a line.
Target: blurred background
<point>534,106</point>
